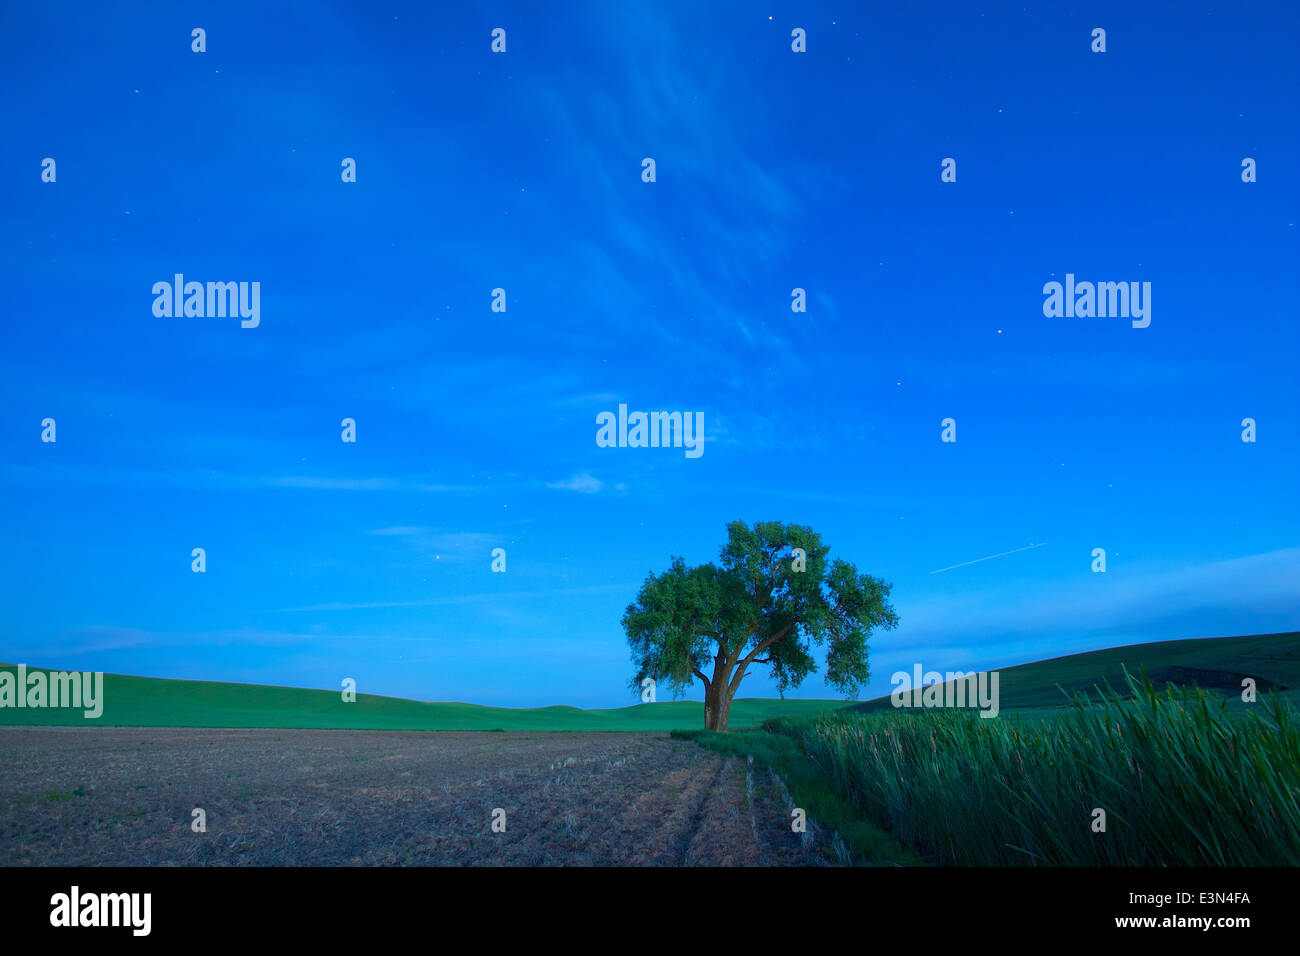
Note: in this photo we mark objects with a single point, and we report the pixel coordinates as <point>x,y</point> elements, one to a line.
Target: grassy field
<point>154,702</point>
<point>1149,778</point>
<point>1180,781</point>
<point>1185,775</point>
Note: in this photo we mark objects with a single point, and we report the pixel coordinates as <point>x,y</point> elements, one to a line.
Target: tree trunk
<point>717,707</point>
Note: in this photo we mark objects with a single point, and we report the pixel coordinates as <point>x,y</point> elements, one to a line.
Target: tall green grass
<point>1181,781</point>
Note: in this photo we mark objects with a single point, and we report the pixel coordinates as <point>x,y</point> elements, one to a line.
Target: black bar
<point>301,905</point>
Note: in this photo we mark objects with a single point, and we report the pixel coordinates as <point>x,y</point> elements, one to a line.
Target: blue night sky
<point>476,429</point>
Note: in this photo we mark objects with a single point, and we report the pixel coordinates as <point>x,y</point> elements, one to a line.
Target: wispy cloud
<point>359,484</point>
<point>429,544</point>
<point>120,476</point>
<point>98,638</point>
<point>490,597</point>
<point>684,117</point>
<point>583,482</point>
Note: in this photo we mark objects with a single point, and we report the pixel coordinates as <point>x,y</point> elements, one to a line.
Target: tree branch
<point>703,678</point>
<point>749,658</point>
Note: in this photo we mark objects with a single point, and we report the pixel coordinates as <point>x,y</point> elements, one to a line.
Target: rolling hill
<point>1214,663</point>
<point>156,702</point>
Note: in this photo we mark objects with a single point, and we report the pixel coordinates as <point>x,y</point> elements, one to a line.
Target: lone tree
<point>770,597</point>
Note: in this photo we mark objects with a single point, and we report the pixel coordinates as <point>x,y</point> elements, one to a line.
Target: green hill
<point>1213,663</point>
<point>154,702</point>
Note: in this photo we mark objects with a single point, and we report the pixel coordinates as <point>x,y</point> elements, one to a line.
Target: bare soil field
<point>122,796</point>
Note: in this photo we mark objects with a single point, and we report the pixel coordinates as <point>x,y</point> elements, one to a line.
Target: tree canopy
<point>769,599</point>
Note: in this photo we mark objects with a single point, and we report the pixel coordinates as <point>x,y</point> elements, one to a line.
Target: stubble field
<point>126,796</point>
